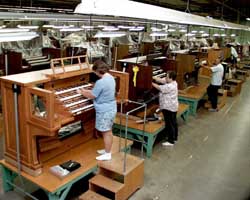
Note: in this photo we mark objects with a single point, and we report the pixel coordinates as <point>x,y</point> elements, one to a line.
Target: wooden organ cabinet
<point>140,82</point>
<point>182,64</point>
<point>17,64</point>
<point>53,117</point>
<point>210,55</point>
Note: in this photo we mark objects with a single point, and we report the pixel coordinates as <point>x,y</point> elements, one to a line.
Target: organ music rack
<point>47,101</point>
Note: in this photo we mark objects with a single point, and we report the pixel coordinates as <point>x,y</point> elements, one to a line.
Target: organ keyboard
<point>158,72</point>
<point>73,101</point>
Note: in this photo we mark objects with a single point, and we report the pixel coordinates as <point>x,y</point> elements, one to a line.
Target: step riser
<point>90,195</point>
<point>112,175</point>
<point>113,183</point>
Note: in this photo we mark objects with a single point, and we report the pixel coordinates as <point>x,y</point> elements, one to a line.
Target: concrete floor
<point>211,160</point>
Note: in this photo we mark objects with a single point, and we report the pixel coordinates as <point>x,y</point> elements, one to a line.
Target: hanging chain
<point>187,8</point>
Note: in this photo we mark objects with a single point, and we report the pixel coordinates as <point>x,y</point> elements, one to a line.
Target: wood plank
<point>116,164</point>
<point>194,92</point>
<point>84,154</point>
<point>151,126</point>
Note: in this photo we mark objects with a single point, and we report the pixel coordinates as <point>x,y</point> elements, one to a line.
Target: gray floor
<point>211,160</point>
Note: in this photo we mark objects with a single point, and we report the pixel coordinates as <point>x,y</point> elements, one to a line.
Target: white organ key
<point>75,103</point>
<point>72,89</point>
<point>157,71</point>
<point>160,75</point>
<point>70,97</point>
<point>82,108</point>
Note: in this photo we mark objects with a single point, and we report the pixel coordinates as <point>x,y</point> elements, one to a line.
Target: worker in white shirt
<point>215,84</point>
<point>234,56</point>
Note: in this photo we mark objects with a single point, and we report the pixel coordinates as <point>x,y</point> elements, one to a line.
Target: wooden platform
<point>152,129</point>
<point>52,185</point>
<point>233,86</point>
<point>192,95</point>
<point>221,100</point>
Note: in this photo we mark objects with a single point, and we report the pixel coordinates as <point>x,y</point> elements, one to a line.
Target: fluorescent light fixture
<point>109,34</point>
<point>171,30</point>
<point>110,28</point>
<point>13,30</point>
<point>183,30</point>
<point>233,35</point>
<point>63,27</point>
<point>154,29</point>
<point>189,34</point>
<point>216,35</point>
<point>158,34</point>
<point>88,27</point>
<point>3,26</point>
<point>194,31</point>
<point>205,35</point>
<point>223,35</point>
<point>28,27</point>
<point>48,26</point>
<point>139,28</point>
<point>12,37</point>
<point>248,19</point>
<point>126,27</point>
<point>70,29</point>
<point>101,26</point>
<point>129,9</point>
<point>201,31</point>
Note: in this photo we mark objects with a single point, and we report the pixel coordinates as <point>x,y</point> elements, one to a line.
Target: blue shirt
<point>104,92</point>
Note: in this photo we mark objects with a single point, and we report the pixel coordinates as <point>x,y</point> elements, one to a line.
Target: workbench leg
<point>193,107</point>
<point>149,145</point>
<point>8,177</point>
<point>184,116</point>
<point>60,195</point>
<point>53,196</point>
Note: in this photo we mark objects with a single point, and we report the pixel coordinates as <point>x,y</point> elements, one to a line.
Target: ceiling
<point>230,10</point>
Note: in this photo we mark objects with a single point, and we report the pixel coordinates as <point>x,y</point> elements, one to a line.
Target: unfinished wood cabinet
<point>52,117</point>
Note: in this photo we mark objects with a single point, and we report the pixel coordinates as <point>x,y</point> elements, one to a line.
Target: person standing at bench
<point>105,105</point>
<point>168,100</point>
<point>215,84</point>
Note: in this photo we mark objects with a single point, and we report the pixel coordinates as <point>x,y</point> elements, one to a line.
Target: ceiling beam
<point>229,7</point>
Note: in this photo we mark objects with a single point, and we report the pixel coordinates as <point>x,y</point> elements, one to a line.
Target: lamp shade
<point>131,9</point>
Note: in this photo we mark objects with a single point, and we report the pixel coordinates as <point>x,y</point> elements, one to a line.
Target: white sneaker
<point>106,156</point>
<point>167,144</point>
<point>101,151</point>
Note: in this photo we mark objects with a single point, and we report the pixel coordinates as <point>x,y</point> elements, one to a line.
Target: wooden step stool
<point>233,87</point>
<point>113,182</point>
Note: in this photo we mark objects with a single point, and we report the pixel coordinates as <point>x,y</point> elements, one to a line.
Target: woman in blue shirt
<point>105,105</point>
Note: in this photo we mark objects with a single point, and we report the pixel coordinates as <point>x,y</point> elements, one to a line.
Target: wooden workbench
<point>147,135</point>
<point>55,187</point>
<point>192,95</point>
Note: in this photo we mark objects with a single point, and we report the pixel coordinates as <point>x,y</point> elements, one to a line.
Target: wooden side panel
<point>50,149</point>
<point>143,81</point>
<point>212,55</point>
<point>123,85</point>
<point>9,123</point>
<point>185,63</point>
